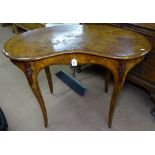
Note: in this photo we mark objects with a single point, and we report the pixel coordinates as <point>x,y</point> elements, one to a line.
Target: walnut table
<point>117,49</point>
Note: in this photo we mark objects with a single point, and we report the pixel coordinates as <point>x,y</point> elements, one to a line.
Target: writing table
<point>117,49</point>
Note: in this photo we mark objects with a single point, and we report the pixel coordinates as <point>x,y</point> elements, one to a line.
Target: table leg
<point>49,78</point>
<point>119,68</point>
<point>31,73</point>
<point>120,71</point>
<point>117,88</point>
<point>32,78</point>
<point>107,78</point>
<point>119,77</point>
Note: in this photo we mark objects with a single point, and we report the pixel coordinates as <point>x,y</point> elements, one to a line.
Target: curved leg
<point>117,88</point>
<point>120,71</point>
<point>119,77</point>
<point>33,82</point>
<point>49,78</point>
<point>118,67</point>
<point>107,78</point>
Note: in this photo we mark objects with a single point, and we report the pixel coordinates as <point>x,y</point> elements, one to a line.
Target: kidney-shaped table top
<point>101,40</point>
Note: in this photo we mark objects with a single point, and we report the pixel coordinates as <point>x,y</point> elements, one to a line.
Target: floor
<point>66,110</point>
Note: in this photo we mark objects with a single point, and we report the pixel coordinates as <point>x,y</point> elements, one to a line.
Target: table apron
<point>65,59</point>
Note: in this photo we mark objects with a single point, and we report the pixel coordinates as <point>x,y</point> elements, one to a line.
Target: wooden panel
<point>150,26</point>
<point>145,71</point>
<point>30,26</point>
<point>142,83</point>
<point>150,58</point>
<point>136,28</point>
<point>147,32</point>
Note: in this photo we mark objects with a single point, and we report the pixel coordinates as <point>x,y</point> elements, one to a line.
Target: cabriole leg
<point>32,77</point>
<point>120,71</point>
<point>119,77</point>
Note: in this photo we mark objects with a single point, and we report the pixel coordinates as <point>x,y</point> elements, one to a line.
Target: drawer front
<point>145,71</point>
<point>30,26</point>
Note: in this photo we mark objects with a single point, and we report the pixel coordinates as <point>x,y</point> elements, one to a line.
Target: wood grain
<point>117,49</point>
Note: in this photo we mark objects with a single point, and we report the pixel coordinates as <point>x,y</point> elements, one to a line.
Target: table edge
<point>84,52</point>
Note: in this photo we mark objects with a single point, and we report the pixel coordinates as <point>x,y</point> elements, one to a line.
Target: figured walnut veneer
<point>117,49</point>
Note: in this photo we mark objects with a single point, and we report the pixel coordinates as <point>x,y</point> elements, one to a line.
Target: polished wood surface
<point>101,40</point>
<point>117,49</point>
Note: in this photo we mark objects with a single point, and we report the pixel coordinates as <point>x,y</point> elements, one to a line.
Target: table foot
<point>109,125</point>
